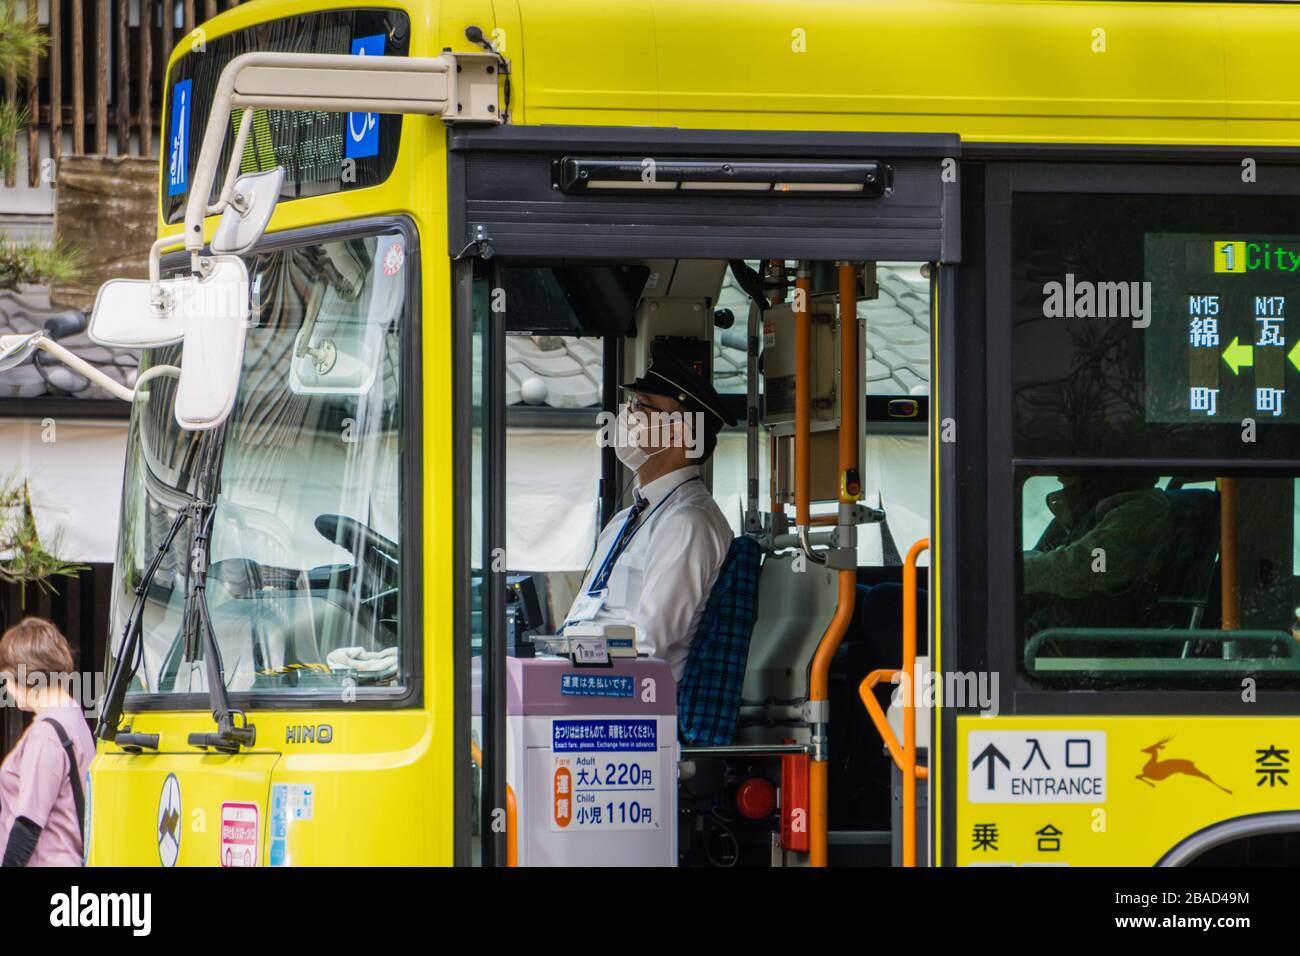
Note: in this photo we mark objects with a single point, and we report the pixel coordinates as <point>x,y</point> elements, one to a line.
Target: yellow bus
<point>1001,293</point>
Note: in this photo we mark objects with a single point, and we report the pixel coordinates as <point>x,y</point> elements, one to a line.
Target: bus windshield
<point>303,583</point>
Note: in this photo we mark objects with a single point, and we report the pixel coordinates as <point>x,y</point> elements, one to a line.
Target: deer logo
<point>1157,769</point>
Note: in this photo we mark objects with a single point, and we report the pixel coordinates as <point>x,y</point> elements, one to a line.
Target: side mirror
<point>15,349</point>
<point>124,316</point>
<point>212,357</point>
<point>247,214</point>
<point>207,313</point>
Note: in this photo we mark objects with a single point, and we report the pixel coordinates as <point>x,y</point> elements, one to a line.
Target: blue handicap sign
<point>363,128</point>
<point>178,143</point>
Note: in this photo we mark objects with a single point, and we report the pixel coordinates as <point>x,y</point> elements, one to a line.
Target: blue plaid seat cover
<point>708,696</point>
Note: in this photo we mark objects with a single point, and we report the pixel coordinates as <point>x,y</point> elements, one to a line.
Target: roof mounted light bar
<point>574,175</point>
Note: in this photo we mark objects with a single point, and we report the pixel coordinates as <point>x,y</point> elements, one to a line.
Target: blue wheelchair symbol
<point>363,128</point>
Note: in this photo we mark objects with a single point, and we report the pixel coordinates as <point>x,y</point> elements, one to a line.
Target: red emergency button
<point>755,798</point>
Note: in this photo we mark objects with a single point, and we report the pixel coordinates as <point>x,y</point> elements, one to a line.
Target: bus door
<point>576,249</point>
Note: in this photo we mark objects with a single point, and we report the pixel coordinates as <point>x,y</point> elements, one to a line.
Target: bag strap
<point>73,777</point>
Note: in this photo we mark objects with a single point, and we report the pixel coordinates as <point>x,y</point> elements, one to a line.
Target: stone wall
<point>107,207</point>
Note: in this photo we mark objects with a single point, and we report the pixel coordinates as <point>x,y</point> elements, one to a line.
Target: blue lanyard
<point>625,536</point>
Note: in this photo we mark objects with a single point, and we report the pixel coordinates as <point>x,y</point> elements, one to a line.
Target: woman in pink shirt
<point>42,780</point>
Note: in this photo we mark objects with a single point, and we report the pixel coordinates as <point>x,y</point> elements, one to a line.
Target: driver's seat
<point>708,695</point>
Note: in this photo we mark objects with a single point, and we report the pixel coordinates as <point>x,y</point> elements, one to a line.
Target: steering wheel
<point>379,560</point>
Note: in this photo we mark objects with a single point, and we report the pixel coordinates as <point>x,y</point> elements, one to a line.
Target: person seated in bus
<point>1098,562</point>
<point>656,561</point>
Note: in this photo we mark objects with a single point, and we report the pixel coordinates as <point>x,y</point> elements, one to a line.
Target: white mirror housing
<point>247,214</point>
<point>212,358</point>
<point>124,316</point>
<point>17,348</point>
<point>207,313</point>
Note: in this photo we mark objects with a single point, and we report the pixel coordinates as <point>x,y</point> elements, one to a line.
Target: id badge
<point>588,605</point>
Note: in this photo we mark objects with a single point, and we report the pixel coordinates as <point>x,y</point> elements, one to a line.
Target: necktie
<point>625,533</point>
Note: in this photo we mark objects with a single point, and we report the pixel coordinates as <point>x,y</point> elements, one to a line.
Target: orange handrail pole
<point>866,692</point>
<point>819,697</point>
<point>904,755</point>
<point>909,701</point>
<point>512,829</point>
<point>819,678</point>
<point>1230,596</point>
<point>879,719</point>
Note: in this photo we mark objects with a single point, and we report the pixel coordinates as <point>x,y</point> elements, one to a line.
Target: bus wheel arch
<point>1277,823</point>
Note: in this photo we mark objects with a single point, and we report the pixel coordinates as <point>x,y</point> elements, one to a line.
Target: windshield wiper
<point>131,651</point>
<point>230,736</point>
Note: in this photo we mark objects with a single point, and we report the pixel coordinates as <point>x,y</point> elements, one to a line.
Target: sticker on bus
<point>178,142</point>
<point>1036,766</point>
<point>605,775</point>
<point>239,834</point>
<point>596,685</point>
<point>363,128</point>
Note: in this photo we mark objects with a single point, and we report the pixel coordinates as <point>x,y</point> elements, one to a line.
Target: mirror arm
<point>157,371</point>
<point>205,167</point>
<point>158,296</point>
<point>456,87</point>
<point>236,160</point>
<point>84,368</point>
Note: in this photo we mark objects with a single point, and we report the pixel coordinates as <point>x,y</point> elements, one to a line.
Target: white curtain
<point>76,485</point>
<point>74,471</point>
<point>551,477</point>
<point>897,472</point>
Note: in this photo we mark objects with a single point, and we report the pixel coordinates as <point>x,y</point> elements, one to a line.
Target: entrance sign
<point>1036,766</point>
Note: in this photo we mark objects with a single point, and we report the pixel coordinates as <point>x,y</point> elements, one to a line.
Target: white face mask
<point>628,438</point>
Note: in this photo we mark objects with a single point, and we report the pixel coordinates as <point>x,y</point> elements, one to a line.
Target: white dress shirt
<point>661,581</point>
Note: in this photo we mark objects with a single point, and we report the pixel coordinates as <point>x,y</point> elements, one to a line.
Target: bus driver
<point>656,561</point>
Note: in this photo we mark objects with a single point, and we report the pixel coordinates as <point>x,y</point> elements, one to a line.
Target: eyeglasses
<point>635,404</point>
